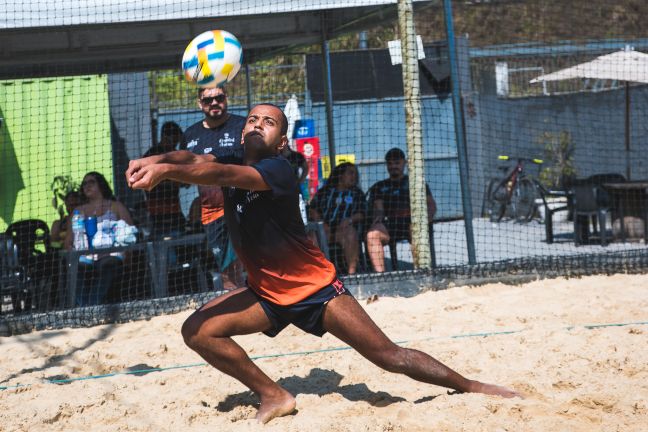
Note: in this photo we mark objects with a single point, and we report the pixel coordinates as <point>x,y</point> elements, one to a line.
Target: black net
<point>435,143</point>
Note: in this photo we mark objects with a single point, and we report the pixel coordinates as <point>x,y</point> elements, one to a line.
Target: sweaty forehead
<point>265,111</point>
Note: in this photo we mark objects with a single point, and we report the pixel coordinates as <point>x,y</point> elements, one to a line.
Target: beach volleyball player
<point>289,279</point>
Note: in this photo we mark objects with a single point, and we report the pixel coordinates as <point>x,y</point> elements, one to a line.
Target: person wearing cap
<point>389,203</point>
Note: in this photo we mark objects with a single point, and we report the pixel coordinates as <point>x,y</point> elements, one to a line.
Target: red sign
<point>310,148</point>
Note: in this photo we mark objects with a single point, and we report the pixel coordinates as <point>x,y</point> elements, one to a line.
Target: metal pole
<point>328,90</point>
<point>413,126</point>
<point>459,132</point>
<point>627,130</point>
<point>248,83</point>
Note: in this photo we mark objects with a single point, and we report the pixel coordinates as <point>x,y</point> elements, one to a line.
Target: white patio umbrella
<point>626,65</point>
<point>292,114</point>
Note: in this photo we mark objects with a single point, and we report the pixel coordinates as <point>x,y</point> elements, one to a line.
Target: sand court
<point>578,348</point>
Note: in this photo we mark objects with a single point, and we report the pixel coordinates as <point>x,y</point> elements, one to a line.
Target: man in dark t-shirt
<point>217,134</point>
<point>289,279</point>
<point>389,202</point>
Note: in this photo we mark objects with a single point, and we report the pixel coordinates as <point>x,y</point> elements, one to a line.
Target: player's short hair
<point>284,119</point>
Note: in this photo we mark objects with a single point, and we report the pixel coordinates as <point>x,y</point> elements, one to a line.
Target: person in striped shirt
<point>341,205</point>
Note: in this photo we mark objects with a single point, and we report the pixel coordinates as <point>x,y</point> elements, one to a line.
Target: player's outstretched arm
<point>208,173</point>
<point>186,157</point>
<point>183,157</point>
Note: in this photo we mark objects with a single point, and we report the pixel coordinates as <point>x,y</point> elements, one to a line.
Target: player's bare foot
<point>492,389</point>
<point>271,407</point>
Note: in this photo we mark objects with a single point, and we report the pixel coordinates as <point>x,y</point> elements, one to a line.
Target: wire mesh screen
<point>431,141</point>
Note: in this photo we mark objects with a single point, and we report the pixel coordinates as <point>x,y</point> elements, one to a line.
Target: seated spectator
<point>389,202</point>
<point>98,270</point>
<point>58,232</point>
<point>163,201</point>
<point>341,205</point>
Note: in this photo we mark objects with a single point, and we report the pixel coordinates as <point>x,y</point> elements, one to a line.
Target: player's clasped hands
<point>144,173</point>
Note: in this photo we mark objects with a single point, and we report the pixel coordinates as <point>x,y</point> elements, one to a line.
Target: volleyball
<point>212,58</point>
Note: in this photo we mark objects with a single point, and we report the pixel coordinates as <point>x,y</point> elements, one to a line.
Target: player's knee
<point>191,331</point>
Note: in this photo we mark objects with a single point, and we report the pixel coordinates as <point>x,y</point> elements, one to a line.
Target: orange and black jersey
<point>268,233</point>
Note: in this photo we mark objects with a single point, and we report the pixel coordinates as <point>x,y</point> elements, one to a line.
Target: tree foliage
<point>485,23</point>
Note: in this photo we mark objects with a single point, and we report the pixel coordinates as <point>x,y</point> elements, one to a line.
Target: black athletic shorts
<point>306,315</point>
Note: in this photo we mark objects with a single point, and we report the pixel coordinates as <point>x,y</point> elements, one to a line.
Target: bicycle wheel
<point>523,200</point>
<point>494,207</point>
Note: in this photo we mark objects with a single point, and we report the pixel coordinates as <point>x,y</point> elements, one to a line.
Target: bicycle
<point>515,192</point>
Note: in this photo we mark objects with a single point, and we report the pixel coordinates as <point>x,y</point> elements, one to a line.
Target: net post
<point>413,126</point>
<point>459,132</point>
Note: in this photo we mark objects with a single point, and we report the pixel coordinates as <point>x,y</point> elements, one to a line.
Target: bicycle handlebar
<point>535,161</point>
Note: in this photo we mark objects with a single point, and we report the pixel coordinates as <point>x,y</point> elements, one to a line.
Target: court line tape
<point>300,353</point>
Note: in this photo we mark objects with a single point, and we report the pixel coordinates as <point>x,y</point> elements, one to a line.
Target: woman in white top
<point>98,200</point>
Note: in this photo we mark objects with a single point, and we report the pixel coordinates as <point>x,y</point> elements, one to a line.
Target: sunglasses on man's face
<point>208,100</point>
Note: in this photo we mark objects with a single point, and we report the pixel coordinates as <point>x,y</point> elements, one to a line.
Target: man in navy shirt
<point>389,202</point>
<point>289,279</point>
<point>217,134</point>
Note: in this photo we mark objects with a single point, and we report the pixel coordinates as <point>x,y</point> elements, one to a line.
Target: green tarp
<point>50,127</point>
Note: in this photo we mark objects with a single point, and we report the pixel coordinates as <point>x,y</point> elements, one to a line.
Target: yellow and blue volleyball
<point>212,58</point>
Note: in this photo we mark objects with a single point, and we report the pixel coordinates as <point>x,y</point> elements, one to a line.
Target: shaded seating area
<point>588,204</point>
<point>151,269</point>
<point>34,277</point>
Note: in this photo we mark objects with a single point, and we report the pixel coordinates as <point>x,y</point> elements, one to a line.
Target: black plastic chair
<point>393,247</point>
<point>602,196</point>
<point>13,278</point>
<point>589,210</point>
<point>546,195</point>
<point>31,236</point>
<point>190,271</point>
<point>32,240</point>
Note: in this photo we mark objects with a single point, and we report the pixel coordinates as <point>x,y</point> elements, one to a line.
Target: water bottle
<point>106,230</point>
<point>80,241</point>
